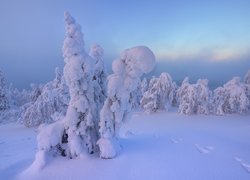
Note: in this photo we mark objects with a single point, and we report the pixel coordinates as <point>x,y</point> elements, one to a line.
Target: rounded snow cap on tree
<point>143,58</point>
<point>96,51</point>
<point>118,67</point>
<point>68,18</point>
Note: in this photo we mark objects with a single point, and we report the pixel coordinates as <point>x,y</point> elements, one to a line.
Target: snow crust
<point>109,147</point>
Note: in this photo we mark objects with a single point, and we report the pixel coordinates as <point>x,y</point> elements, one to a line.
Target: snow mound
<point>50,135</point>
<point>109,148</point>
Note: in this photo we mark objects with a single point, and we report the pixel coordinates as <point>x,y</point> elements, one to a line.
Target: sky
<point>195,38</point>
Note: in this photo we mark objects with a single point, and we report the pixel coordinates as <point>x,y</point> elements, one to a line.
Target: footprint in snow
<point>176,141</point>
<point>204,150</point>
<point>237,159</point>
<point>244,165</point>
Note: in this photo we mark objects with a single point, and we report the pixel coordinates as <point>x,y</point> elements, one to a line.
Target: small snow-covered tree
<point>127,71</point>
<point>4,101</point>
<point>247,77</point>
<point>194,98</point>
<point>137,94</point>
<point>18,98</point>
<point>136,97</point>
<point>28,98</point>
<point>219,97</point>
<point>49,105</point>
<point>149,102</point>
<point>36,91</point>
<point>61,95</point>
<point>144,86</point>
<point>174,100</point>
<point>159,95</point>
<point>186,96</point>
<point>203,96</point>
<point>231,98</point>
<point>99,77</point>
<point>247,86</point>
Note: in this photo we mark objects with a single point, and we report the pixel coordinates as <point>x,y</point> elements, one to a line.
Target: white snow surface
<point>163,145</point>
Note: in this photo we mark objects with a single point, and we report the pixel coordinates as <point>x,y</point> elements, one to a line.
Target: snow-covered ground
<point>158,146</point>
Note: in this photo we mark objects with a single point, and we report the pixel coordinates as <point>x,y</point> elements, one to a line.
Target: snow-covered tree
<point>62,97</point>
<point>186,97</point>
<point>247,86</point>
<point>36,91</point>
<point>78,71</point>
<point>18,98</point>
<point>231,98</point>
<point>127,70</point>
<point>137,94</point>
<point>99,77</point>
<point>4,101</point>
<point>149,102</point>
<point>159,95</point>
<point>203,96</point>
<point>76,133</point>
<point>27,99</point>
<point>144,86</point>
<point>50,103</point>
<point>174,99</point>
<point>136,97</point>
<point>193,98</point>
<point>247,77</point>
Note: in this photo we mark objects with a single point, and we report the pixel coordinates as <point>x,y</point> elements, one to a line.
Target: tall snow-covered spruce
<point>127,71</point>
<point>80,123</point>
<point>75,134</point>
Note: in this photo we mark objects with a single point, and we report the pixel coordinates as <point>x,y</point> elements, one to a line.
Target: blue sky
<point>206,39</point>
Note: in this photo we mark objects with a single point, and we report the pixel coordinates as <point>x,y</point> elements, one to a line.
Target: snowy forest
<point>82,110</point>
